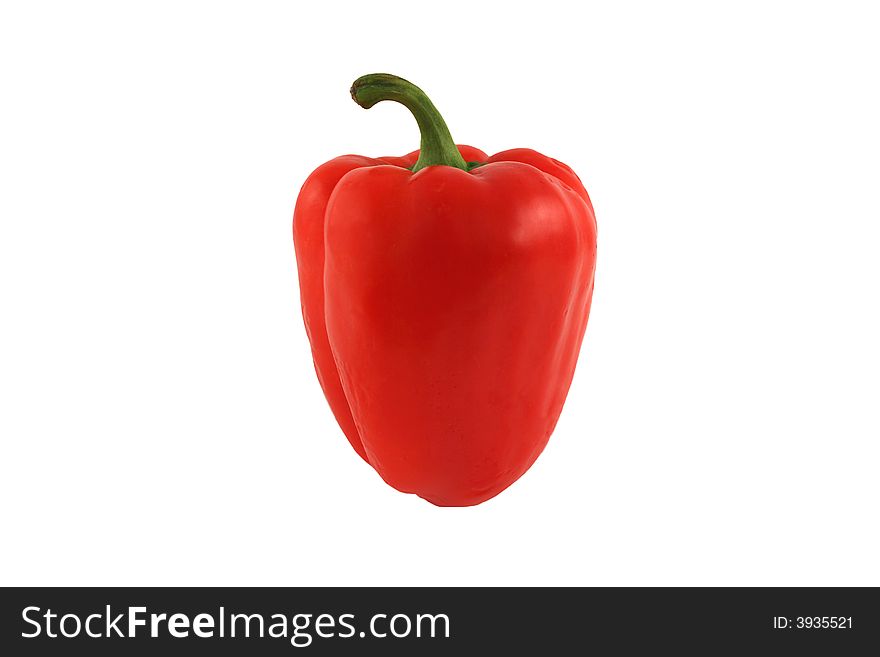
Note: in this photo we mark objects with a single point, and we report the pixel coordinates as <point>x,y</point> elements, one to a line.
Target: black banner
<point>437,621</point>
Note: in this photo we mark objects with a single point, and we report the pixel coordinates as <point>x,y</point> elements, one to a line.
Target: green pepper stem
<point>437,146</point>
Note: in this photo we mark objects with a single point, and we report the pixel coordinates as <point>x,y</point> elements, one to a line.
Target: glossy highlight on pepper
<point>445,295</point>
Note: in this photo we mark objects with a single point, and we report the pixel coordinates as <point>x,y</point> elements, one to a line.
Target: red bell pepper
<point>445,295</point>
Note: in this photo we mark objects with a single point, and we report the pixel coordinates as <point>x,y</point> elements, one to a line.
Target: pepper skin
<point>445,295</point>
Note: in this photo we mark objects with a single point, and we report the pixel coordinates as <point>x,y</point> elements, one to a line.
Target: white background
<point>160,418</point>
